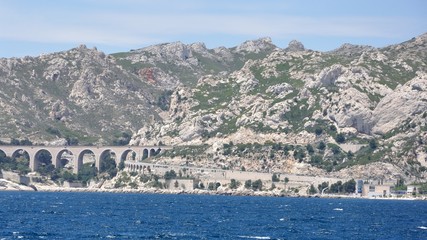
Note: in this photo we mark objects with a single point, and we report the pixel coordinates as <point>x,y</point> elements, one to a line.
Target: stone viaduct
<point>99,153</point>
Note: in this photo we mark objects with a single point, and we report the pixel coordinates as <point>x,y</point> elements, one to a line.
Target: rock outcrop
<point>295,46</point>
<point>408,102</point>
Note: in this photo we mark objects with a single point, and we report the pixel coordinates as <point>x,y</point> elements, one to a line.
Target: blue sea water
<point>41,215</point>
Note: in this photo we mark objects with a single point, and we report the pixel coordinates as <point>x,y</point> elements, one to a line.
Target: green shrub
<point>310,149</point>
<point>318,131</point>
<point>248,184</point>
<point>373,144</point>
<point>321,146</point>
<point>163,101</point>
<point>144,178</point>
<point>275,178</point>
<point>257,185</point>
<point>340,138</point>
<point>312,190</point>
<point>234,184</point>
<point>170,175</point>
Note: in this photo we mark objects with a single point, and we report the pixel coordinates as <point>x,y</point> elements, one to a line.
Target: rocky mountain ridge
<point>255,106</point>
<point>294,97</point>
<point>79,93</point>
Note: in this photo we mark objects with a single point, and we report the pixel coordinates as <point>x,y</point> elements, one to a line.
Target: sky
<point>31,28</point>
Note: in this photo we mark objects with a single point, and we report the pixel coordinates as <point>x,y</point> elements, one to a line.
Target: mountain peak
<point>351,49</point>
<point>295,46</point>
<point>256,45</point>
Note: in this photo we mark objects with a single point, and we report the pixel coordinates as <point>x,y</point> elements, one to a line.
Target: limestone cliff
<point>255,106</point>
<point>273,112</point>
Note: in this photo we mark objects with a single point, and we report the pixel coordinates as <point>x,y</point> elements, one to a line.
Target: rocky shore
<point>6,185</point>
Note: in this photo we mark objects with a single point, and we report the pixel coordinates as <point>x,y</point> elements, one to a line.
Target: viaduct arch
<point>78,152</point>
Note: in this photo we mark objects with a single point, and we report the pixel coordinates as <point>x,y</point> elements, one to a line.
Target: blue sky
<point>30,27</point>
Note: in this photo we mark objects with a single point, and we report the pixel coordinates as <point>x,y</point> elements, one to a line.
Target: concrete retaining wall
<point>72,184</point>
<point>15,177</point>
<point>178,184</point>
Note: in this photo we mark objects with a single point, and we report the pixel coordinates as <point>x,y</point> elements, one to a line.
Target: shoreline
<point>221,192</point>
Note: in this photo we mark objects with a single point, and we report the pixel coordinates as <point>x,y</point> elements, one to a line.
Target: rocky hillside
<point>254,107</point>
<point>80,94</point>
<point>292,109</point>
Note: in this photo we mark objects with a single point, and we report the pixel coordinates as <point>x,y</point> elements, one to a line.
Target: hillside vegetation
<point>357,110</point>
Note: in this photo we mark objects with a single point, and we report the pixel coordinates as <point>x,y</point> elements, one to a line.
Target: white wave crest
<point>254,237</point>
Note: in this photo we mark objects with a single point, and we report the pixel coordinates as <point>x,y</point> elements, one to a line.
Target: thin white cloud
<point>266,25</point>
<point>105,26</point>
<point>127,29</point>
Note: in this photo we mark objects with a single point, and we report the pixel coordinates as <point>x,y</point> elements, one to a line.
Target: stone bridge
<point>78,152</point>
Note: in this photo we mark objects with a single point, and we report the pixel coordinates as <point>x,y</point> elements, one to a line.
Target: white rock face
<point>59,111</point>
<point>57,142</point>
<point>225,53</point>
<point>406,101</point>
<point>170,51</point>
<point>245,78</point>
<point>280,90</point>
<point>329,75</point>
<point>351,109</point>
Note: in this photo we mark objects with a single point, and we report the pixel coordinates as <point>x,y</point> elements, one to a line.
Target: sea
<point>71,215</point>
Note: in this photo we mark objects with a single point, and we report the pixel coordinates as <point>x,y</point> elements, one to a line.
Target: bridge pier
<point>33,164</point>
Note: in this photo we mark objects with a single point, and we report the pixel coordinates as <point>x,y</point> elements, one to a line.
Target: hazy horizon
<point>31,28</point>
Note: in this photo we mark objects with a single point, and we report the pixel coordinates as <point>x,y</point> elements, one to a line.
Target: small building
<point>411,189</point>
<point>376,190</point>
<point>373,188</point>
